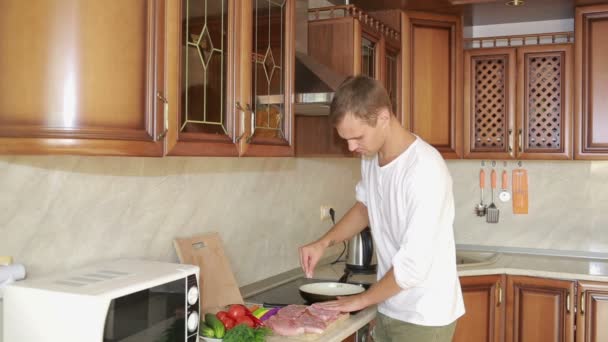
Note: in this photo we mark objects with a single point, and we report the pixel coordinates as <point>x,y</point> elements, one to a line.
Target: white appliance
<point>121,300</point>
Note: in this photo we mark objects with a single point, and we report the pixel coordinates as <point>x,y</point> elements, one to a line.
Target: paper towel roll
<point>14,272</point>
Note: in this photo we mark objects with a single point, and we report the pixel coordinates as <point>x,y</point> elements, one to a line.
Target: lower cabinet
<point>539,309</point>
<point>592,313</point>
<point>517,309</point>
<point>485,309</point>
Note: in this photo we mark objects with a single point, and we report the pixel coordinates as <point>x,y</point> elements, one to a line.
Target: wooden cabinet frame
<point>516,99</point>
<point>586,77</point>
<point>410,21</point>
<point>39,138</point>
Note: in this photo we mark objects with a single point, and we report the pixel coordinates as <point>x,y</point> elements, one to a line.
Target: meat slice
<point>284,326</point>
<point>299,319</point>
<point>292,311</point>
<point>323,314</point>
<point>311,324</point>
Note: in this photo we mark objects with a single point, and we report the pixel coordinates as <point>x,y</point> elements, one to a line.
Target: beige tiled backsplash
<point>64,211</point>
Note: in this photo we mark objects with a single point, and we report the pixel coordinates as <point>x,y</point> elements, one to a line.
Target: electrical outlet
<point>325,212</point>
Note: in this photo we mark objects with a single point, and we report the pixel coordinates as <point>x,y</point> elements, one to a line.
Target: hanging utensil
<point>520,190</point>
<point>480,209</point>
<point>492,210</point>
<point>504,194</point>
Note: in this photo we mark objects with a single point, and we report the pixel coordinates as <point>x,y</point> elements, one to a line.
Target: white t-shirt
<point>411,210</point>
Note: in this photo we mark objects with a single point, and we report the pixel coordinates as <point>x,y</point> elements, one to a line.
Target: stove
<point>288,293</point>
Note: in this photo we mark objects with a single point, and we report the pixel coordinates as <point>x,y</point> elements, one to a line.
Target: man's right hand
<point>310,255</point>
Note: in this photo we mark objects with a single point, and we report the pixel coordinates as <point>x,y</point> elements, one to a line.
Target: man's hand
<point>345,304</point>
<point>310,255</point>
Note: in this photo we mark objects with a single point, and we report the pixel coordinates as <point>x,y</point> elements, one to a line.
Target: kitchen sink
<point>475,258</point>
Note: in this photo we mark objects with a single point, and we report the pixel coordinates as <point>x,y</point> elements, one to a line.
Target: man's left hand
<point>345,304</point>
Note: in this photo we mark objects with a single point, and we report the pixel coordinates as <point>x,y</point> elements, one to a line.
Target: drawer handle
<point>583,303</point>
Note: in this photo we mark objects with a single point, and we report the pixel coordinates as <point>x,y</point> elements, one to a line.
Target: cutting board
<point>338,324</point>
<point>219,287</point>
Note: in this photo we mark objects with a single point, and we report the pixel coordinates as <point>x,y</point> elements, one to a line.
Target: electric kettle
<point>360,254</point>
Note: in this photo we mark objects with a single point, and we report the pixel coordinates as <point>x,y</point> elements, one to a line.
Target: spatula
<point>492,210</point>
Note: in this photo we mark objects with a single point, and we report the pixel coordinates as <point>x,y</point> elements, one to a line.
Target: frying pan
<point>324,291</point>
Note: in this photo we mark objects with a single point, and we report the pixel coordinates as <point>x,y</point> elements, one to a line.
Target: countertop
<point>527,262</point>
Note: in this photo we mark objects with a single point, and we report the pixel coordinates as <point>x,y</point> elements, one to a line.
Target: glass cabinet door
<point>368,57</point>
<point>271,122</point>
<point>204,123</point>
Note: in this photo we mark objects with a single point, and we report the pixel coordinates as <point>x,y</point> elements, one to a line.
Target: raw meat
<point>311,324</point>
<point>299,319</point>
<point>292,311</point>
<point>324,314</point>
<point>284,326</point>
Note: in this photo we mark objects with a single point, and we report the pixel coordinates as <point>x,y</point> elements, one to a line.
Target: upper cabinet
<point>591,79</point>
<point>231,78</point>
<point>517,102</point>
<point>432,79</point>
<point>82,79</point>
<point>350,42</point>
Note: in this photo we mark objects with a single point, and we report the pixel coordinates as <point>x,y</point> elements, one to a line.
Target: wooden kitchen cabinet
<point>350,42</point>
<point>485,309</point>
<point>517,102</point>
<point>516,309</point>
<point>592,313</point>
<point>231,78</point>
<point>431,48</point>
<point>82,77</point>
<point>591,79</point>
<point>539,309</point>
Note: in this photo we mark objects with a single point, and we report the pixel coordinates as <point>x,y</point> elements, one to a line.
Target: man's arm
<point>379,292</point>
<point>350,224</point>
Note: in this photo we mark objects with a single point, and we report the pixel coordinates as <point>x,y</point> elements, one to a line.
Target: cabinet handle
<point>510,140</point>
<point>165,115</point>
<point>583,303</point>
<point>521,141</point>
<point>244,110</point>
<point>568,302</point>
<point>499,289</point>
<point>252,126</point>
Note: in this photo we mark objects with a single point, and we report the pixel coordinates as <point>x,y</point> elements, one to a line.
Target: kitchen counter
<point>529,262</point>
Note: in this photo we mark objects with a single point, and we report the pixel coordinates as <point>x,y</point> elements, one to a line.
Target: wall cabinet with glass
<point>82,79</point>
<point>518,102</point>
<point>231,78</point>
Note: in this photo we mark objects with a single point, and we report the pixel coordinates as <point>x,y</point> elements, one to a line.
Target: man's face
<point>362,138</point>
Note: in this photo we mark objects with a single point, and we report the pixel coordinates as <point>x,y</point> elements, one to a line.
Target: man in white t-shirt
<point>405,196</point>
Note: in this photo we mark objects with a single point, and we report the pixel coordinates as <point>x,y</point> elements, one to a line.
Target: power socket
<point>324,210</point>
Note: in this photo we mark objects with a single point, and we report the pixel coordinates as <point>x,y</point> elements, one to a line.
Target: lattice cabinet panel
<point>544,115</point>
<point>544,102</point>
<point>490,114</point>
<point>518,102</point>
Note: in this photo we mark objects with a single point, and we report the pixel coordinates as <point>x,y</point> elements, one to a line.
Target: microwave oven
<point>120,300</point>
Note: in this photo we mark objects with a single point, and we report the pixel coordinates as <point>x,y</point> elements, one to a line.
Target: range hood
<point>315,83</point>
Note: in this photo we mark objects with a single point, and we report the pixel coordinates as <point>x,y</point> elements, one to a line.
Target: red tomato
<point>245,320</point>
<point>221,314</point>
<point>237,310</point>
<point>228,322</point>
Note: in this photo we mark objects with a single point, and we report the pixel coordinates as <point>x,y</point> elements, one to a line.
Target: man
<point>405,196</point>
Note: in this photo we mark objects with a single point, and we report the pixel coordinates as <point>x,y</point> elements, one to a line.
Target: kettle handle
<point>368,246</point>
